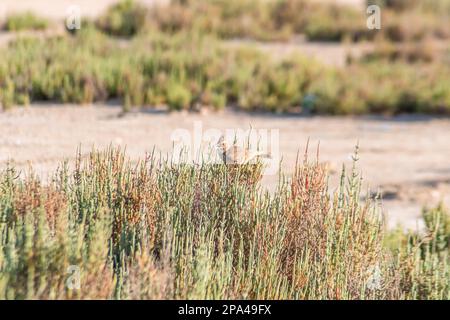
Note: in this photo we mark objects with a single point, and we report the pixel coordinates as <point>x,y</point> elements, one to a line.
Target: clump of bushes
<point>125,19</point>
<point>423,254</point>
<point>169,231</point>
<point>180,73</point>
<point>411,52</point>
<point>226,19</point>
<point>25,21</point>
<point>335,23</point>
<point>431,20</point>
<point>398,27</point>
<point>382,87</point>
<point>178,97</point>
<point>271,20</point>
<point>276,20</point>
<point>395,4</point>
<point>282,19</point>
<point>189,71</point>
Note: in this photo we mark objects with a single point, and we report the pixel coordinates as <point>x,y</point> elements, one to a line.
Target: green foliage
<point>415,52</point>
<point>175,64</point>
<point>181,72</point>
<point>423,258</point>
<point>178,97</point>
<point>160,230</point>
<point>278,20</point>
<point>125,19</point>
<point>188,70</point>
<point>270,20</point>
<point>336,23</point>
<point>227,19</point>
<point>437,222</point>
<point>398,27</point>
<point>25,21</point>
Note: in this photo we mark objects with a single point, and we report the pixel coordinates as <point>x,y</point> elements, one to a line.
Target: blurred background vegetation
<point>178,56</point>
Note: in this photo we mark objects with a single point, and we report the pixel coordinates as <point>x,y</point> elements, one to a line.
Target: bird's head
<point>221,143</point>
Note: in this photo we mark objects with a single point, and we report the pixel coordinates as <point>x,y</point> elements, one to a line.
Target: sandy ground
<point>328,53</point>
<point>334,54</point>
<point>57,9</point>
<point>406,157</point>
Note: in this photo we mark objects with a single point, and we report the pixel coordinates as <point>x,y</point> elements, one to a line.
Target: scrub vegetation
<point>157,230</point>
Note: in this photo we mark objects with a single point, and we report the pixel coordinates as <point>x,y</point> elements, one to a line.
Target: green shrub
<point>213,99</point>
<point>277,20</point>
<point>125,19</point>
<point>398,27</point>
<point>291,12</point>
<point>336,23</point>
<point>420,52</point>
<point>266,21</point>
<point>424,259</point>
<point>8,95</point>
<point>178,97</point>
<point>189,70</point>
<point>25,21</point>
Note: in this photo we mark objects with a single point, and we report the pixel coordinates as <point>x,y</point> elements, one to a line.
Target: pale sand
<point>57,9</point>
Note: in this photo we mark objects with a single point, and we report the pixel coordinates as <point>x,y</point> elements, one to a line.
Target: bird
<point>235,154</point>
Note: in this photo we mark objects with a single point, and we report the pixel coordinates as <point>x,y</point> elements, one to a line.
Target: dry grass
<point>159,230</point>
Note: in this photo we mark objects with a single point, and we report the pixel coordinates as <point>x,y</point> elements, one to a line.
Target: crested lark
<point>238,155</point>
